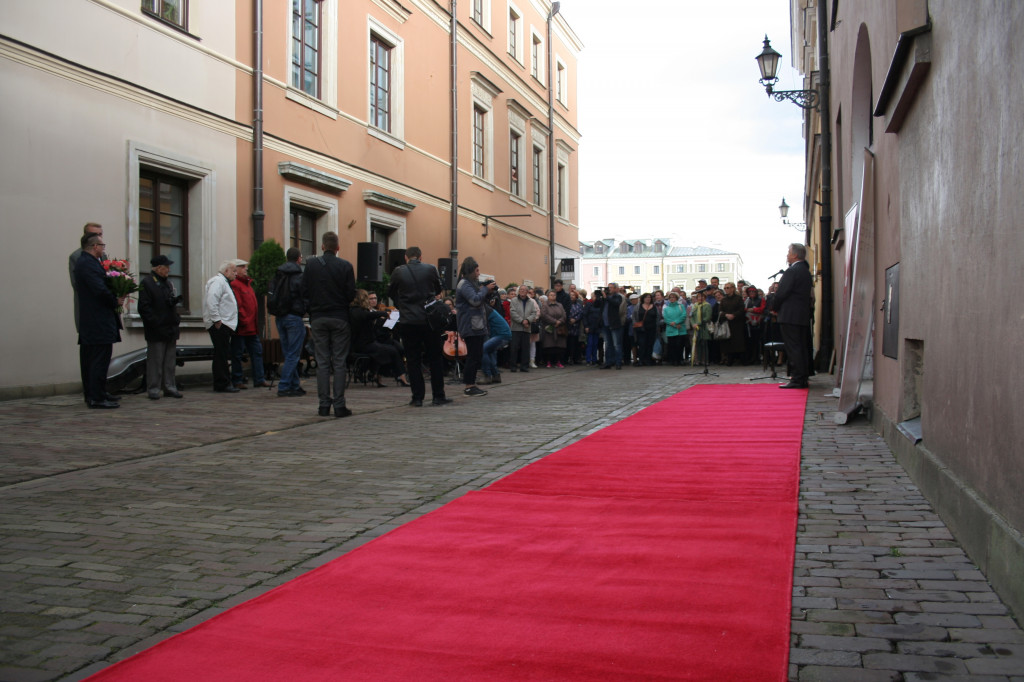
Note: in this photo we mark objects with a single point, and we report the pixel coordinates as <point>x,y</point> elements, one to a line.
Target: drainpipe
<point>454,59</point>
<point>551,148</point>
<point>826,342</point>
<point>257,126</point>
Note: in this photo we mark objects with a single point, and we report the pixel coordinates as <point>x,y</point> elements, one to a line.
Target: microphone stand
<point>702,345</point>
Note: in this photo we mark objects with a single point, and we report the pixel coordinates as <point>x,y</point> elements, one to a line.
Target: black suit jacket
<point>412,285</point>
<point>793,297</point>
<point>97,305</point>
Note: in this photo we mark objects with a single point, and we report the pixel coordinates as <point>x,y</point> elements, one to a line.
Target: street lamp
<point>768,63</point>
<point>784,211</point>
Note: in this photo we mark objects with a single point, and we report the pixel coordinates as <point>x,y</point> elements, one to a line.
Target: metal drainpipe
<point>826,342</point>
<point>454,49</point>
<point>257,126</point>
<point>551,151</point>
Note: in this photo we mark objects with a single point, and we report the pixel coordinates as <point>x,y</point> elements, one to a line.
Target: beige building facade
<point>351,120</point>
<point>926,208</point>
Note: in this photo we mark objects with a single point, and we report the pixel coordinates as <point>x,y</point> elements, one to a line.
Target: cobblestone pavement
<point>120,528</point>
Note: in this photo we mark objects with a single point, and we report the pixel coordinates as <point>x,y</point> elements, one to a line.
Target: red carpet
<point>660,548</point>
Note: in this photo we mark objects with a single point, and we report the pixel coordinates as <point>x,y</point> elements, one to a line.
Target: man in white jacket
<point>220,316</point>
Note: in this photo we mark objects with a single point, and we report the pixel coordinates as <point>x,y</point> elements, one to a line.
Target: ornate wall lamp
<point>784,211</point>
<point>768,63</point>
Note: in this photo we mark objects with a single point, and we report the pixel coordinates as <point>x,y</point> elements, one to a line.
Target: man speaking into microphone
<point>792,307</point>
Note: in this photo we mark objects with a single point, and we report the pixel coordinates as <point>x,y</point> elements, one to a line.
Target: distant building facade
<point>652,264</point>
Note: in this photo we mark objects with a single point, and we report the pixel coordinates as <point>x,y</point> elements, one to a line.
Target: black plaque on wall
<point>891,313</point>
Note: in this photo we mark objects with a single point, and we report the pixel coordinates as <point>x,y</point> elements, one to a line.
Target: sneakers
<point>533,365</point>
<point>547,366</point>
<point>560,366</point>
<point>496,379</point>
<point>473,392</point>
<point>484,380</point>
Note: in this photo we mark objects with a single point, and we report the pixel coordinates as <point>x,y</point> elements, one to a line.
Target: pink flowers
<point>119,279</point>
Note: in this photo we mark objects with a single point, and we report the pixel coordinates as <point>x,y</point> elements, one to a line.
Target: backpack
<point>279,295</point>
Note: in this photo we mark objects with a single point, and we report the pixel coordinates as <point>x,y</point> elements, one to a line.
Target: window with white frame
<point>721,267</point>
<point>171,209</point>
<point>680,268</point>
<point>515,33</point>
<point>517,122</point>
<point>483,93</point>
<point>480,13</point>
<point>306,41</point>
<point>386,62</point>
<point>561,82</point>
<point>537,56</point>
<point>636,269</point>
<point>308,215</point>
<point>313,55</point>
<point>702,267</point>
<point>562,177</point>
<point>657,269</point>
<point>173,12</point>
<point>514,155</point>
<point>622,269</point>
<point>597,271</point>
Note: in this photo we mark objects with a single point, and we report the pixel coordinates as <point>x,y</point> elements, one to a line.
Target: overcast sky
<point>679,139</point>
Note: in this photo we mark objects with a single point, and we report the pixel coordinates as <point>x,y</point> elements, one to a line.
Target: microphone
<point>780,272</point>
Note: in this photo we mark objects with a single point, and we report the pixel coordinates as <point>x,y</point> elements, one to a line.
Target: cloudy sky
<point>679,139</point>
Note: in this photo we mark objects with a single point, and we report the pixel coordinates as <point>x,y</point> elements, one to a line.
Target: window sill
<point>483,183</point>
<point>385,136</point>
<point>518,200</point>
<point>298,96</point>
<point>171,25</point>
<point>540,210</point>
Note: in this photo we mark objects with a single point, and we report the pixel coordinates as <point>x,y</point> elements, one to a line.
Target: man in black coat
<point>158,308</point>
<point>792,306</point>
<point>328,287</point>
<point>99,326</point>
<point>412,286</point>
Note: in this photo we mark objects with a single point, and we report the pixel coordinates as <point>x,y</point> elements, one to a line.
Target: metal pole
<point>454,59</point>
<point>257,126</point>
<point>826,341</point>
<point>551,152</point>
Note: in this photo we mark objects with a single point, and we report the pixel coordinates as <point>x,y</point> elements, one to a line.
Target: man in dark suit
<point>99,327</point>
<point>412,286</point>
<point>90,228</point>
<point>792,306</point>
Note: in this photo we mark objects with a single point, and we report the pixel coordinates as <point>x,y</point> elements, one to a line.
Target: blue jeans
<point>489,364</point>
<point>612,346</point>
<point>293,333</point>
<point>592,338</point>
<point>239,345</point>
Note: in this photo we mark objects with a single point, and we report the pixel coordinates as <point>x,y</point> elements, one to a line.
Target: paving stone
<point>945,666</point>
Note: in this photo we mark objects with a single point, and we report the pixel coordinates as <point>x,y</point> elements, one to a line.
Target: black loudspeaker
<point>396,257</point>
<point>446,269</point>
<point>370,262</point>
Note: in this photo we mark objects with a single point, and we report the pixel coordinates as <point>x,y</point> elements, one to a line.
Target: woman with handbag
<point>734,313</point>
<point>554,330</point>
<point>471,312</point>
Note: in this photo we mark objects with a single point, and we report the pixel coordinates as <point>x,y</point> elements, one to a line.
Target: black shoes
<point>342,412</point>
<point>324,411</point>
<point>173,394</point>
<point>103,405</point>
<point>415,402</point>
<point>474,392</point>
<point>793,385</point>
<point>228,389</point>
<point>437,402</point>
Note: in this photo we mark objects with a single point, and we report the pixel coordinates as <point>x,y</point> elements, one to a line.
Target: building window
<point>479,148</point>
<point>702,267</point>
<point>537,57</point>
<point>478,12</point>
<point>657,269</point>
<point>163,223</point>
<point>680,268</point>
<point>306,22</point>
<point>597,271</point>
<point>515,34</point>
<point>515,145</point>
<point>562,189</point>
<point>721,267</point>
<point>561,82</point>
<point>636,269</point>
<point>303,231</point>
<point>174,12</point>
<point>538,176</point>
<point>622,269</point>
<point>380,83</point>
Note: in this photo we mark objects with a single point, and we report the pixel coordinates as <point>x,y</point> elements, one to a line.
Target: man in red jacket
<point>246,339</point>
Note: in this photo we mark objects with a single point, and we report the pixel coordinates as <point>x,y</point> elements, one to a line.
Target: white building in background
<point>650,264</point>
<point>92,131</point>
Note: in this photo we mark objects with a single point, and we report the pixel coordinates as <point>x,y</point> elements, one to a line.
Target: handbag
<point>722,331</point>
<point>562,329</point>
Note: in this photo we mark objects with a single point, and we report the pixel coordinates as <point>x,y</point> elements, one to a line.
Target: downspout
<point>551,150</point>
<point>826,342</point>
<point>454,59</point>
<point>257,126</point>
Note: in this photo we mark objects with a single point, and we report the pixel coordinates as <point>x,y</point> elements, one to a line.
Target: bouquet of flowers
<point>119,279</point>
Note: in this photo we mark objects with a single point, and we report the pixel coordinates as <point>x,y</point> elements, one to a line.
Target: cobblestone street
<point>120,528</point>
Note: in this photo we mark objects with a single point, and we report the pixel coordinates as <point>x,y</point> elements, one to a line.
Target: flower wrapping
<point>119,279</point>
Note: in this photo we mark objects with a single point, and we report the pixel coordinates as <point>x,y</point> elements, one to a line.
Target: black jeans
<point>474,357</point>
<point>418,340</point>
<point>221,340</point>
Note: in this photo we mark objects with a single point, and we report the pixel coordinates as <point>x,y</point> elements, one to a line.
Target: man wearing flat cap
<point>158,308</point>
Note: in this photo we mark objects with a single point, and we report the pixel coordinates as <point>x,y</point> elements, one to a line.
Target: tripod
<point>702,345</point>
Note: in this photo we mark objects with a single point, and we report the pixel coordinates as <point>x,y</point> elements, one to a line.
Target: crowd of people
<point>489,329</point>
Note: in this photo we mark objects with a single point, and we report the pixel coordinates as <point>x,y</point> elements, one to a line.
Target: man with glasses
<point>90,228</point>
<point>99,327</point>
